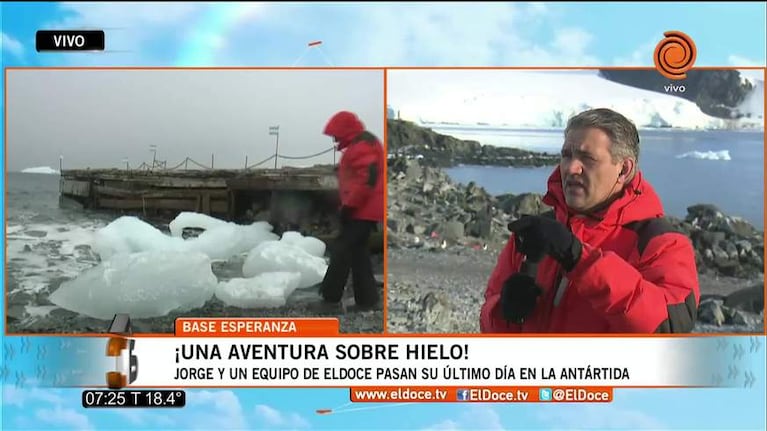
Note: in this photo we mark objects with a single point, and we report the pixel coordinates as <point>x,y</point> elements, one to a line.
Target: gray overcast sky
<point>97,118</point>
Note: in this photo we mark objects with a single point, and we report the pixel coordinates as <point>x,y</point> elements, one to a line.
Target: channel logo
<point>544,394</point>
<point>119,347</point>
<point>675,55</point>
<point>462,394</point>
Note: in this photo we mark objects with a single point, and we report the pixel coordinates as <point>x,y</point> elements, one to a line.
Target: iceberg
<point>41,170</point>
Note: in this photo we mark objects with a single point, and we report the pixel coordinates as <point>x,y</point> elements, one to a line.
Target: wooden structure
<point>289,198</point>
<point>212,192</point>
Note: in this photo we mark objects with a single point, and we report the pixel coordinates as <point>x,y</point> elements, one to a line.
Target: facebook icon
<point>462,394</point>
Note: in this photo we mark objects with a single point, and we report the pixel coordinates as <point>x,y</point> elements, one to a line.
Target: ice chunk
<point>251,236</point>
<point>226,241</point>
<point>130,234</point>
<point>145,284</point>
<point>278,256</point>
<point>220,241</point>
<point>190,219</point>
<point>310,244</point>
<point>267,290</point>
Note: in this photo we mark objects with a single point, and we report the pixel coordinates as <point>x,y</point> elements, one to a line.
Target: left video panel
<point>165,193</point>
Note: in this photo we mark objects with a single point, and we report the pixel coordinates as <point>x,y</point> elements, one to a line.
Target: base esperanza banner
<point>399,361</point>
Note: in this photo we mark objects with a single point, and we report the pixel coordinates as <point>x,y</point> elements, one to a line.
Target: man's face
<point>589,175</point>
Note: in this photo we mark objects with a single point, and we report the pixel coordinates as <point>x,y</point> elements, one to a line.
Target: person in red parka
<point>605,260</point>
<point>360,187</point>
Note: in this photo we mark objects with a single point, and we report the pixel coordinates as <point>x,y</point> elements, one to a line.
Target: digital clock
<point>105,398</point>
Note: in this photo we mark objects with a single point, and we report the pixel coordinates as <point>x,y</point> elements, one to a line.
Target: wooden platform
<point>213,192</point>
<point>287,198</point>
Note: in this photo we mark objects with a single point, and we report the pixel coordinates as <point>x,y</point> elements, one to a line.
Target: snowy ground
<point>545,99</point>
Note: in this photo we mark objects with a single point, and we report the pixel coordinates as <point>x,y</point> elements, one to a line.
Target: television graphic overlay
<point>119,347</point>
<point>675,55</point>
<point>158,197</point>
<point>173,200</point>
<point>474,152</point>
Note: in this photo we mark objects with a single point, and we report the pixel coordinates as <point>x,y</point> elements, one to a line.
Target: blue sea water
<point>724,168</point>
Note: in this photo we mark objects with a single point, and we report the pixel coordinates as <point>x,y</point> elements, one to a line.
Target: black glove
<point>518,297</point>
<point>345,214</point>
<point>535,236</point>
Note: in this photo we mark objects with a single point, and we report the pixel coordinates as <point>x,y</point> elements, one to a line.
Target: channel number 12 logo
<point>122,350</point>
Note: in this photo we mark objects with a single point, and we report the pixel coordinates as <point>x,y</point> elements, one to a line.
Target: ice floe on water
<point>140,270</point>
<point>706,155</point>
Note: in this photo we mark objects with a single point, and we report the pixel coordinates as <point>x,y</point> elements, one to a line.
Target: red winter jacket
<point>620,285</point>
<point>360,170</point>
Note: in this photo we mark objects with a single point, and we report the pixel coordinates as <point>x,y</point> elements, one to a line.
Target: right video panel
<point>575,201</point>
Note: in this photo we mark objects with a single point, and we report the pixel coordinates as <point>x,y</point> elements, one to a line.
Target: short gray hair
<point>622,132</point>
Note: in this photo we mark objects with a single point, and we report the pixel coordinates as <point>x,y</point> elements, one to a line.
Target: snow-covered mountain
<point>546,99</point>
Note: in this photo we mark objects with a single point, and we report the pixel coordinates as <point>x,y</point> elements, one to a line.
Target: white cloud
<point>20,396</point>
<point>389,35</point>
<point>478,35</point>
<point>133,31</point>
<point>414,34</point>
<point>602,416</point>
<point>274,418</point>
<point>447,425</point>
<point>245,11</point>
<point>51,407</point>
<point>59,417</point>
<point>10,44</point>
<point>474,416</point>
<point>204,410</point>
<point>737,60</point>
<point>642,56</point>
<point>214,410</point>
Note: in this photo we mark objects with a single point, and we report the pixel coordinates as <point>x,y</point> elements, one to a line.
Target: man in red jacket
<point>605,260</point>
<point>360,186</point>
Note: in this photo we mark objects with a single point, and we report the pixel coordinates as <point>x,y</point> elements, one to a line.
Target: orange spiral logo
<point>675,55</point>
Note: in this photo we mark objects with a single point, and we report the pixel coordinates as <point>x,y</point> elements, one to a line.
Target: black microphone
<point>529,268</point>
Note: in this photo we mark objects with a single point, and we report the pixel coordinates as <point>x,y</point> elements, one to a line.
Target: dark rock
<point>711,312</point>
<point>750,299</point>
<point>392,225</point>
<point>408,141</point>
<point>716,92</point>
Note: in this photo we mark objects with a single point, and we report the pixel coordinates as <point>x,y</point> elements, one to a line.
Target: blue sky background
<point>533,34</point>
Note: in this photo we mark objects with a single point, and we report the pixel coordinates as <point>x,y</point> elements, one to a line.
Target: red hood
<point>638,202</point>
<point>344,126</point>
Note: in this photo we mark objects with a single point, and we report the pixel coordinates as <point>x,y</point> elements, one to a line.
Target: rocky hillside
<point>716,92</point>
<point>406,140</point>
<point>461,228</point>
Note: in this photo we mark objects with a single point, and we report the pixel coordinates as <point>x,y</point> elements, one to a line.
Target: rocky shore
<point>406,141</point>
<point>444,239</point>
